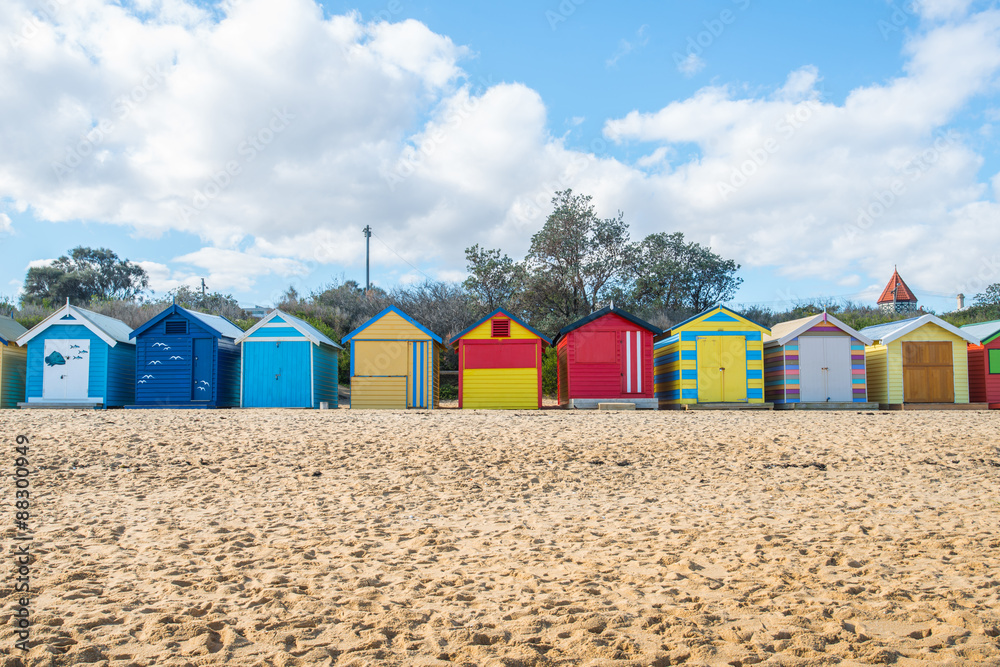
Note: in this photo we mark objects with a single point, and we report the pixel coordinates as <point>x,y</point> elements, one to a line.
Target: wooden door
<point>631,361</point>
<point>202,367</point>
<point>734,369</point>
<point>722,369</point>
<point>825,369</point>
<point>928,372</point>
<point>416,377</point>
<point>709,354</point>
<point>66,373</point>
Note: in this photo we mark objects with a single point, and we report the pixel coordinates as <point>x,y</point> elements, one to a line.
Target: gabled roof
<point>546,339</point>
<point>10,330</point>
<point>108,329</point>
<point>220,325</point>
<point>385,311</point>
<point>722,310</point>
<point>303,327</point>
<point>598,314</point>
<point>984,331</point>
<point>784,332</point>
<point>886,333</point>
<point>903,294</point>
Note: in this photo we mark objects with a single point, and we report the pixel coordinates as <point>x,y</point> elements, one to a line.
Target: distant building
<point>897,297</point>
<point>257,312</point>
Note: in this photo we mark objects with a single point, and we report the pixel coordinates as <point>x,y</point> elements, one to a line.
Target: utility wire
<point>401,257</point>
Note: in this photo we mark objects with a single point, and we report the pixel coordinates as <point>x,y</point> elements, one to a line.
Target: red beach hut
<point>606,357</point>
<point>984,363</point>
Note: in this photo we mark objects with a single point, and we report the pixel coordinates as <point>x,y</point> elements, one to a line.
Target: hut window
<point>994,361</point>
<point>501,328</point>
<point>176,327</point>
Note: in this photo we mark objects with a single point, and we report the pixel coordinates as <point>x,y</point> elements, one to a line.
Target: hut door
<point>416,375</point>
<point>722,369</point>
<point>201,388</point>
<point>66,369</point>
<point>631,359</point>
<point>825,369</point>
<point>928,374</point>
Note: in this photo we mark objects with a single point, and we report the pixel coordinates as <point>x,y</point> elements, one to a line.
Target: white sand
<point>492,538</point>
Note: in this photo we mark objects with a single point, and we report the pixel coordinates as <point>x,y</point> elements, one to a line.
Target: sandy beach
<point>490,538</point>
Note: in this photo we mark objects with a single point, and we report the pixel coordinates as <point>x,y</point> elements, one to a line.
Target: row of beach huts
<point>186,359</point>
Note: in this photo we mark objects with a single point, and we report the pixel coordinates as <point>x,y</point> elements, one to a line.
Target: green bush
<point>550,382</point>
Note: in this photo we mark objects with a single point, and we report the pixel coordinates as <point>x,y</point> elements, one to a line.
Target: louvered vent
<point>176,327</point>
<point>501,329</point>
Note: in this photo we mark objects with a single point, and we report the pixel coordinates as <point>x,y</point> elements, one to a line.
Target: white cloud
<point>226,270</point>
<point>691,65</point>
<point>625,47</point>
<point>277,134</point>
<point>942,9</point>
<point>5,225</point>
<point>39,263</point>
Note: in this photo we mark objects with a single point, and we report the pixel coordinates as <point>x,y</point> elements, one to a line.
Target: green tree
<point>494,279</point>
<point>213,303</point>
<point>85,274</point>
<point>989,297</point>
<point>574,262</point>
<point>669,273</point>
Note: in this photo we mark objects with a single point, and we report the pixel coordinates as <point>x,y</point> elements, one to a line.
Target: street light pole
<point>368,235</point>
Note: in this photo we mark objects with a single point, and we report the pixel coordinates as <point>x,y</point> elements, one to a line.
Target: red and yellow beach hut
<point>500,364</point>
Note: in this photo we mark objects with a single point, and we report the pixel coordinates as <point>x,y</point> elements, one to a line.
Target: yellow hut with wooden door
<point>921,361</point>
<point>395,363</point>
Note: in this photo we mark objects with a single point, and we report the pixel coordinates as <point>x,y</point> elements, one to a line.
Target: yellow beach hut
<point>715,358</point>
<point>919,362</point>
<point>395,363</point>
<point>13,363</point>
<point>500,364</point>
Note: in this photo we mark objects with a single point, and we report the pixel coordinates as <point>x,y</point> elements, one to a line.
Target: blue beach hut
<point>79,359</point>
<point>187,359</point>
<point>287,363</point>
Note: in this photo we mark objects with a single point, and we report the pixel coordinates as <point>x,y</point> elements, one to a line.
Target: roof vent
<point>176,327</point>
<point>500,329</point>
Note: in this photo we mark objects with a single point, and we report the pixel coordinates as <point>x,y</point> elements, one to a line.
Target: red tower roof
<point>903,293</point>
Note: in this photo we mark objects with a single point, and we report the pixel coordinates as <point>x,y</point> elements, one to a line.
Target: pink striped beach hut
<point>816,362</point>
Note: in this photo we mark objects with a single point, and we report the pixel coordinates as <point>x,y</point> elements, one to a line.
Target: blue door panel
<point>201,389</point>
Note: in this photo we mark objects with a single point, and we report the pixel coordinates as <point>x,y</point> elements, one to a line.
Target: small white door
<point>66,369</point>
<point>825,369</point>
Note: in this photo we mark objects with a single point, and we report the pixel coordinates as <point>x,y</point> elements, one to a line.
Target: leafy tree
<point>494,279</point>
<point>669,273</point>
<point>574,261</point>
<point>213,303</point>
<point>85,274</point>
<point>989,297</point>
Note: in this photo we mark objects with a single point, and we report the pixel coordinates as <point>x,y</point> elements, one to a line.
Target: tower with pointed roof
<point>897,297</point>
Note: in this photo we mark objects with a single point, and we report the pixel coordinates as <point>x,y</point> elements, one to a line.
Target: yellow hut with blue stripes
<point>716,358</point>
<point>395,363</point>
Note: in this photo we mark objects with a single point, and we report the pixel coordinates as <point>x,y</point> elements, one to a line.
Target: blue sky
<point>444,124</point>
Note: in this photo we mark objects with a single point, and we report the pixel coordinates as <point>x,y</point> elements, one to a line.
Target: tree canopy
<point>85,274</point>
